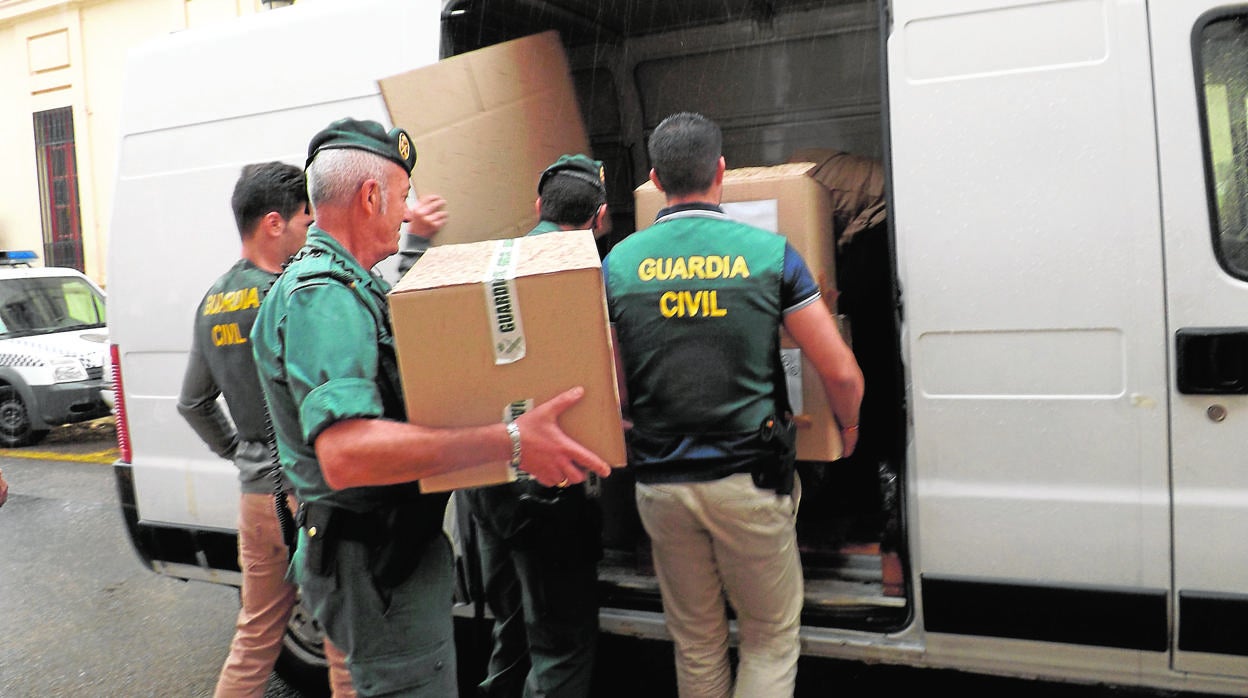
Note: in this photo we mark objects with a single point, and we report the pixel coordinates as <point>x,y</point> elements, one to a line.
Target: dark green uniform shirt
<point>325,352</point>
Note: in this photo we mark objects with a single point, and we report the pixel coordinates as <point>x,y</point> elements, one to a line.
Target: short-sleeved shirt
<point>697,300</point>
<point>318,343</point>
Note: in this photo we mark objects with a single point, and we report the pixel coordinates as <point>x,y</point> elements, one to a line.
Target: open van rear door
<point>1200,59</point>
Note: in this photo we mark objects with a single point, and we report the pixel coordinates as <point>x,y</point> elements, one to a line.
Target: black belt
<point>670,473</point>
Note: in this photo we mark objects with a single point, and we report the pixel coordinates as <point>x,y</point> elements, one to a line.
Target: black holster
<point>780,433</point>
<point>316,521</point>
<point>393,535</point>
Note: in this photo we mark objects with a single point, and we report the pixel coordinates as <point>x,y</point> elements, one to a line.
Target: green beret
<point>394,145</point>
<point>579,167</point>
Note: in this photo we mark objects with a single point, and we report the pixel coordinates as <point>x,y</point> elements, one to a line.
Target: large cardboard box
<point>485,124</point>
<point>783,198</point>
<point>482,327</point>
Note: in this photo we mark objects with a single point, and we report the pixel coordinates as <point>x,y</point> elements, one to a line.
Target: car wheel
<point>302,661</point>
<point>15,427</point>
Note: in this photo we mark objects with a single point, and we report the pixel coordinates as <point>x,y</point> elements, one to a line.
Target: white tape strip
<point>500,301</point>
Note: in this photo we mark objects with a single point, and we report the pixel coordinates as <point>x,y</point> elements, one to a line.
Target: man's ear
<point>369,196</point>
<point>272,224</point>
<point>601,222</point>
<point>537,207</point>
<point>720,168</point>
<point>654,177</point>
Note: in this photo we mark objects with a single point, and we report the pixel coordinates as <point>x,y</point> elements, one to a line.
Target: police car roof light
<point>14,258</point>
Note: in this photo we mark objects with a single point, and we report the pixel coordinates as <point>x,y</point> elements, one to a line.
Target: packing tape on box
<point>501,303</point>
<point>517,408</point>
<point>791,361</point>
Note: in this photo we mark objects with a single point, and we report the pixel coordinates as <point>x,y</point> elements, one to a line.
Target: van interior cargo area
<point>780,77</point>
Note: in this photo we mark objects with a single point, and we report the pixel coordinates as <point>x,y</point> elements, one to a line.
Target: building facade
<point>61,74</point>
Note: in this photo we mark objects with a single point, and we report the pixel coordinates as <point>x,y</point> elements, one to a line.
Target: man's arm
<point>814,329</point>
<point>197,403</point>
<point>364,452</point>
<point>426,218</point>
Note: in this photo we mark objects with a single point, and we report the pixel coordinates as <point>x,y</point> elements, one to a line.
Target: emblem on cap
<point>405,146</point>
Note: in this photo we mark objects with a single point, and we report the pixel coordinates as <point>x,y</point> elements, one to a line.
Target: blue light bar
<point>15,257</point>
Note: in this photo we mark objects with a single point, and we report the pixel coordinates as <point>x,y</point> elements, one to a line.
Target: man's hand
<point>426,216</point>
<point>550,455</point>
<point>4,489</point>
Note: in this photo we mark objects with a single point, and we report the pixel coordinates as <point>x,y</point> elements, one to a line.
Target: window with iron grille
<point>58,188</point>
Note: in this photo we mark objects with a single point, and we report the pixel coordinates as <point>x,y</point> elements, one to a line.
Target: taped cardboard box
<point>485,124</point>
<point>783,198</point>
<point>483,327</point>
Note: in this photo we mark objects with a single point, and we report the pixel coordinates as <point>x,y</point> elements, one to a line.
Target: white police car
<point>53,347</point>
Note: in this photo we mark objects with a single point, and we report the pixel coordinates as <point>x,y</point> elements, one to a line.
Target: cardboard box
<point>785,199</point>
<point>479,327</point>
<point>485,124</point>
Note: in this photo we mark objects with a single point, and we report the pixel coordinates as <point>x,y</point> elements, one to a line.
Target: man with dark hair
<point>373,563</point>
<point>540,545</point>
<point>270,203</point>
<point>697,301</point>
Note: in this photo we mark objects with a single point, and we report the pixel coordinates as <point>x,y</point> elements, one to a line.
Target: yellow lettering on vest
<point>663,270</point>
<point>712,305</point>
<point>692,267</point>
<point>224,335</point>
<point>666,302</point>
<point>230,301</point>
<point>691,304</point>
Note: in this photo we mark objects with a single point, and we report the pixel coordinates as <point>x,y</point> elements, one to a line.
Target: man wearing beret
<point>373,564</point>
<point>540,545</point>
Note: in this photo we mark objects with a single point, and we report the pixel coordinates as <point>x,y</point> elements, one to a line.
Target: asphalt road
<point>82,617</point>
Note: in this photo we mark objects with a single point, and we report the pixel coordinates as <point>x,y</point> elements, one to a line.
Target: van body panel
<point>1030,259</point>
<point>194,114</point>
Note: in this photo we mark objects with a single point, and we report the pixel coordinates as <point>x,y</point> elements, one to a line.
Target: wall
<point>71,53</point>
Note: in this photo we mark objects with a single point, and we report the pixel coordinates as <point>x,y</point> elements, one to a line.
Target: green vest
<point>696,302</point>
<point>222,328</point>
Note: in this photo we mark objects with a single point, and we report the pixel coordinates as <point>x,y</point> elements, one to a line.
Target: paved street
<point>82,617</point>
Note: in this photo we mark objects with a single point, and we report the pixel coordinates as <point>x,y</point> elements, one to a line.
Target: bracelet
<point>513,431</point>
<point>853,428</point>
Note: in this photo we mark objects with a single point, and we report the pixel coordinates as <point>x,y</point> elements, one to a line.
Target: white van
<point>53,346</point>
<point>1053,321</point>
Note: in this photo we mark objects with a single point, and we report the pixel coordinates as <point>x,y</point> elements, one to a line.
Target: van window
<point>1222,60</point>
<point>30,306</point>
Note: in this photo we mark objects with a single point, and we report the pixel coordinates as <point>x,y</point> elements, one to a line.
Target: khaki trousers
<point>727,540</point>
<point>267,601</point>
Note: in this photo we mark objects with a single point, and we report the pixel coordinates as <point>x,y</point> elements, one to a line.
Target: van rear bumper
<point>177,551</point>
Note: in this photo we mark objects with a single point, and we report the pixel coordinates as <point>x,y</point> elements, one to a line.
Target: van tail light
<point>119,407</point>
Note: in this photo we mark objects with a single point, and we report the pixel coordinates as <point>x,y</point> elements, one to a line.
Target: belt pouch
<point>395,556</point>
<point>317,524</point>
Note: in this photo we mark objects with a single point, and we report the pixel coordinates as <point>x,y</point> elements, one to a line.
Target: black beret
<point>394,145</point>
<point>577,166</point>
